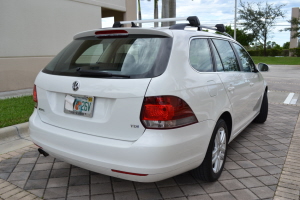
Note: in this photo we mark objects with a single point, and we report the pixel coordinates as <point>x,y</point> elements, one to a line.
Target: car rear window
<point>136,56</point>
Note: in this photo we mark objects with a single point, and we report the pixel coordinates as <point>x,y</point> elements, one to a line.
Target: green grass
<point>15,110</point>
<point>277,60</point>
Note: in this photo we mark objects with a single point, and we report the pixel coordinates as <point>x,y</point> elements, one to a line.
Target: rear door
<point>252,78</point>
<point>96,86</point>
<point>234,83</point>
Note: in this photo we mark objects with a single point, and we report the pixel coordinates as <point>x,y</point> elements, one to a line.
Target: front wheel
<point>213,163</point>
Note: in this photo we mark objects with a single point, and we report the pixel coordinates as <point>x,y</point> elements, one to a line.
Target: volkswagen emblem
<point>75,85</point>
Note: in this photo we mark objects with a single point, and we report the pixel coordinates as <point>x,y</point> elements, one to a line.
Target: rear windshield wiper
<point>98,73</point>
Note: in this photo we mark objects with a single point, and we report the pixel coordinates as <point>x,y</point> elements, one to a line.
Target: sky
<point>218,12</point>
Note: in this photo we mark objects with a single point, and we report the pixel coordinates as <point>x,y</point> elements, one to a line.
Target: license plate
<point>79,105</point>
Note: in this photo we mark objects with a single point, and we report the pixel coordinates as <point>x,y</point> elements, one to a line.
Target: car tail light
<point>35,99</point>
<point>165,112</point>
<point>111,33</point>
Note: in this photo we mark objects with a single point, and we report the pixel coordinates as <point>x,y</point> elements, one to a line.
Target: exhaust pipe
<point>41,151</point>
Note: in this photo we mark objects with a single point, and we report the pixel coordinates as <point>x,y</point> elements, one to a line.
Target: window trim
<point>237,57</point>
<point>212,45</point>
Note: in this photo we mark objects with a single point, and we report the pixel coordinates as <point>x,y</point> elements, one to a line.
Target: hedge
<point>276,52</point>
<point>295,52</point>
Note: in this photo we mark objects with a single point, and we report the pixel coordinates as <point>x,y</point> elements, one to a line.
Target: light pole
<point>235,8</point>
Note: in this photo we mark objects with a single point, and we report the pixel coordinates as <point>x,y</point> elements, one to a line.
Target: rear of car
<point>96,107</point>
<point>96,85</point>
<point>146,104</point>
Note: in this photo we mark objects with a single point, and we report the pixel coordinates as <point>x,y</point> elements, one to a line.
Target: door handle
<point>251,84</point>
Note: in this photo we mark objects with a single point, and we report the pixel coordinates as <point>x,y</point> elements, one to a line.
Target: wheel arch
<point>226,116</point>
<point>266,89</point>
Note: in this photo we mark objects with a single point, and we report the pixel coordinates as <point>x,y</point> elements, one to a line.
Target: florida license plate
<point>79,105</point>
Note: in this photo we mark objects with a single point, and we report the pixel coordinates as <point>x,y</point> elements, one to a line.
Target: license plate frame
<point>79,105</point>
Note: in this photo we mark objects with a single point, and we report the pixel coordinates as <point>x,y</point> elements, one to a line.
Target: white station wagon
<point>146,104</point>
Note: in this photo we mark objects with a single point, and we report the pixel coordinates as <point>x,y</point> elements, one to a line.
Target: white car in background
<point>146,104</point>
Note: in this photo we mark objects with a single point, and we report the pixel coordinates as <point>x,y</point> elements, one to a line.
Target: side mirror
<point>263,67</point>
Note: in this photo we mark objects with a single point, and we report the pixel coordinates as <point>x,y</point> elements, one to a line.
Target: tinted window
<point>137,57</point>
<point>219,65</point>
<point>200,55</point>
<point>91,55</point>
<point>246,61</point>
<point>227,55</point>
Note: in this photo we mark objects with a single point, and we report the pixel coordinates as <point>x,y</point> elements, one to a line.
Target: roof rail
<point>193,21</point>
<point>218,27</point>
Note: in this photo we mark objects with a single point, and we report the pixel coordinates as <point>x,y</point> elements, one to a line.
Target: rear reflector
<point>34,95</point>
<point>111,33</point>
<point>38,145</point>
<point>129,173</point>
<point>165,112</point>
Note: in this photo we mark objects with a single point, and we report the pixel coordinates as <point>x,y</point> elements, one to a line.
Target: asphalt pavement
<point>284,84</point>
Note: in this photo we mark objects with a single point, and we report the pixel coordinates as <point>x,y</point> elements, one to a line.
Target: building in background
<point>294,41</point>
<point>33,31</point>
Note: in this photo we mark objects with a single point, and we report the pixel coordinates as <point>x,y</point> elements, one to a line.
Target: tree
<point>140,12</point>
<point>242,37</point>
<point>286,45</point>
<point>168,11</point>
<point>295,26</point>
<point>155,12</point>
<point>259,20</point>
<point>273,45</point>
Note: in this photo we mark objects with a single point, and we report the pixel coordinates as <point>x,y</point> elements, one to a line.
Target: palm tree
<point>140,12</point>
<point>168,11</point>
<point>172,11</point>
<point>155,12</point>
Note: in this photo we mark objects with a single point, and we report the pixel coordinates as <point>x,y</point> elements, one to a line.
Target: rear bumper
<point>159,153</point>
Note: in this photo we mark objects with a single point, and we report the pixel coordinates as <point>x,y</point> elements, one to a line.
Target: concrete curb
<point>15,93</point>
<point>14,132</point>
<point>288,186</point>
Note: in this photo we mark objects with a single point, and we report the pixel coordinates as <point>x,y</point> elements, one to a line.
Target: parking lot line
<point>295,99</point>
<point>289,98</point>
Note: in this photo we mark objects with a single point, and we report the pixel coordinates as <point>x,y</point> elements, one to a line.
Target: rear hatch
<point>97,84</point>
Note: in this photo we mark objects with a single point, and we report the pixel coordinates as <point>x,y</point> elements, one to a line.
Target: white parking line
<point>295,99</point>
<point>289,98</point>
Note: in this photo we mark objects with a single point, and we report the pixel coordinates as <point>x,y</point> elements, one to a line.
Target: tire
<point>212,166</point>
<point>263,113</point>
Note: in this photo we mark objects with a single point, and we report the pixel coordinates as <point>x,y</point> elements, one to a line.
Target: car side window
<point>200,55</point>
<point>219,65</point>
<point>227,55</point>
<point>246,61</point>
